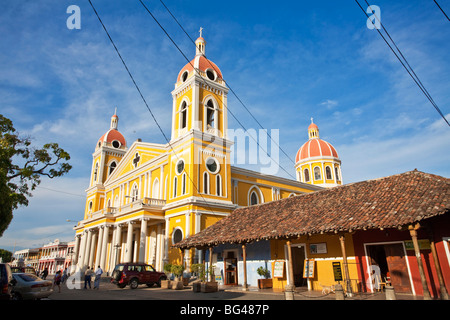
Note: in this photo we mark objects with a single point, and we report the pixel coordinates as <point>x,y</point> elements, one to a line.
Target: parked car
<point>6,281</point>
<point>135,274</point>
<point>30,286</point>
<point>23,270</point>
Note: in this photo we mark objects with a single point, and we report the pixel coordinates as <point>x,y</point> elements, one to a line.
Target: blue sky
<point>287,61</point>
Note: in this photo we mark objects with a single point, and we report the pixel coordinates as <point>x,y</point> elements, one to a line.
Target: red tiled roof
<point>388,202</point>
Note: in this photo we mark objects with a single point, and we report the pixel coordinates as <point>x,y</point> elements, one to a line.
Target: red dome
<point>110,136</point>
<point>316,148</point>
<point>202,64</point>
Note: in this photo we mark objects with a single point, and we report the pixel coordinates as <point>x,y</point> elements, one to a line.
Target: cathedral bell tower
<point>109,150</point>
<point>200,97</point>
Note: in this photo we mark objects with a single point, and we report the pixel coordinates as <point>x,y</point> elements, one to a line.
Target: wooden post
<point>345,263</point>
<point>442,289</point>
<point>290,288</point>
<point>413,232</point>
<point>244,257</point>
<point>210,264</point>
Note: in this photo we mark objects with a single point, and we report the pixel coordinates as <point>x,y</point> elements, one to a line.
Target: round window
<point>184,76</point>
<point>116,144</point>
<point>180,166</point>
<point>212,165</point>
<point>210,74</point>
<point>177,236</point>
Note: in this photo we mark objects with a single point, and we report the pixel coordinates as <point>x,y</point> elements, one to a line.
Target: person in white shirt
<point>98,274</point>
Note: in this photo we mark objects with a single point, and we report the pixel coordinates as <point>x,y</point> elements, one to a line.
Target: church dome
<point>113,137</point>
<point>315,147</point>
<point>200,63</point>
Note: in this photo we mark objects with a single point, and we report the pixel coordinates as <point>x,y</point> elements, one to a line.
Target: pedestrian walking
<point>87,278</point>
<point>64,276</point>
<point>44,274</point>
<point>57,280</point>
<point>98,274</point>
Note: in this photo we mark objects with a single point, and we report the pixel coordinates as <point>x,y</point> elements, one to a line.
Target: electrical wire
<point>146,104</point>
<point>410,70</point>
<point>239,122</point>
<point>229,86</point>
<point>442,10</point>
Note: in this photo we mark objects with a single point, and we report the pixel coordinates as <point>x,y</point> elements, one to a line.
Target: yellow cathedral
<point>144,197</point>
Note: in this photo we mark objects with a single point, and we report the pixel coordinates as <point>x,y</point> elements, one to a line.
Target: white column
<point>158,261</point>
<point>128,251</point>
<point>87,248</point>
<point>104,250</point>
<point>99,246</point>
<point>81,254</point>
<point>117,246</point>
<point>92,250</point>
<point>143,241</point>
<point>166,243</point>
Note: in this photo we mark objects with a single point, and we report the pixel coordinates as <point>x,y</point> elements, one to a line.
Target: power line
<point>240,123</point>
<point>442,10</point>
<point>410,70</point>
<point>229,86</point>
<point>146,104</point>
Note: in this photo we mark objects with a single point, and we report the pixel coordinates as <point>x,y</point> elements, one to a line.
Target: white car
<point>30,286</point>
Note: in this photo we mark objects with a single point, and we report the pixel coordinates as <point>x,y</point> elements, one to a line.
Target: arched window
<point>254,199</point>
<point>336,171</point>
<point>96,172</point>
<point>155,191</point>
<point>134,193</point>
<point>112,166</point>
<point>183,115</point>
<point>306,173</point>
<point>317,174</point>
<point>183,184</point>
<point>218,185</point>
<point>210,113</point>
<point>205,183</point>
<point>175,180</point>
<point>328,173</point>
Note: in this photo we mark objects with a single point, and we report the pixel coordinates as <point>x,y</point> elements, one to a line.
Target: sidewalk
<point>108,291</point>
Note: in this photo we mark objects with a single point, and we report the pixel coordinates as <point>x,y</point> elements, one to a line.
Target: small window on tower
<point>210,114</point>
<point>116,144</point>
<point>112,166</point>
<point>183,115</point>
<point>184,76</point>
<point>317,174</point>
<point>328,173</point>
<point>306,173</point>
<point>210,74</point>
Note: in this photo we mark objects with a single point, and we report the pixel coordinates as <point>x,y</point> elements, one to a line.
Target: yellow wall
<point>323,262</point>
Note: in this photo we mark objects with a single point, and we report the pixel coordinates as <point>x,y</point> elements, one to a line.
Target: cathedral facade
<point>144,197</point>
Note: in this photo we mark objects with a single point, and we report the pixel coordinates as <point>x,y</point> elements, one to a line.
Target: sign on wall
<point>278,269</point>
<point>308,268</point>
<point>318,248</point>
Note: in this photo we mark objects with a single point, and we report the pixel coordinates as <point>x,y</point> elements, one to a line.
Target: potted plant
<point>167,284</point>
<point>199,270</point>
<point>266,282</point>
<point>210,286</point>
<point>177,271</point>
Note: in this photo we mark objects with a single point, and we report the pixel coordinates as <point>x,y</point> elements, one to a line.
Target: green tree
<point>5,255</point>
<point>21,169</point>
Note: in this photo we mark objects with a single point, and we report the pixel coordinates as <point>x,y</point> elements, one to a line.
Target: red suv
<point>135,274</point>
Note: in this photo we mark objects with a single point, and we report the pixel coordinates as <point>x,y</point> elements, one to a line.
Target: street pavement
<point>108,291</point>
